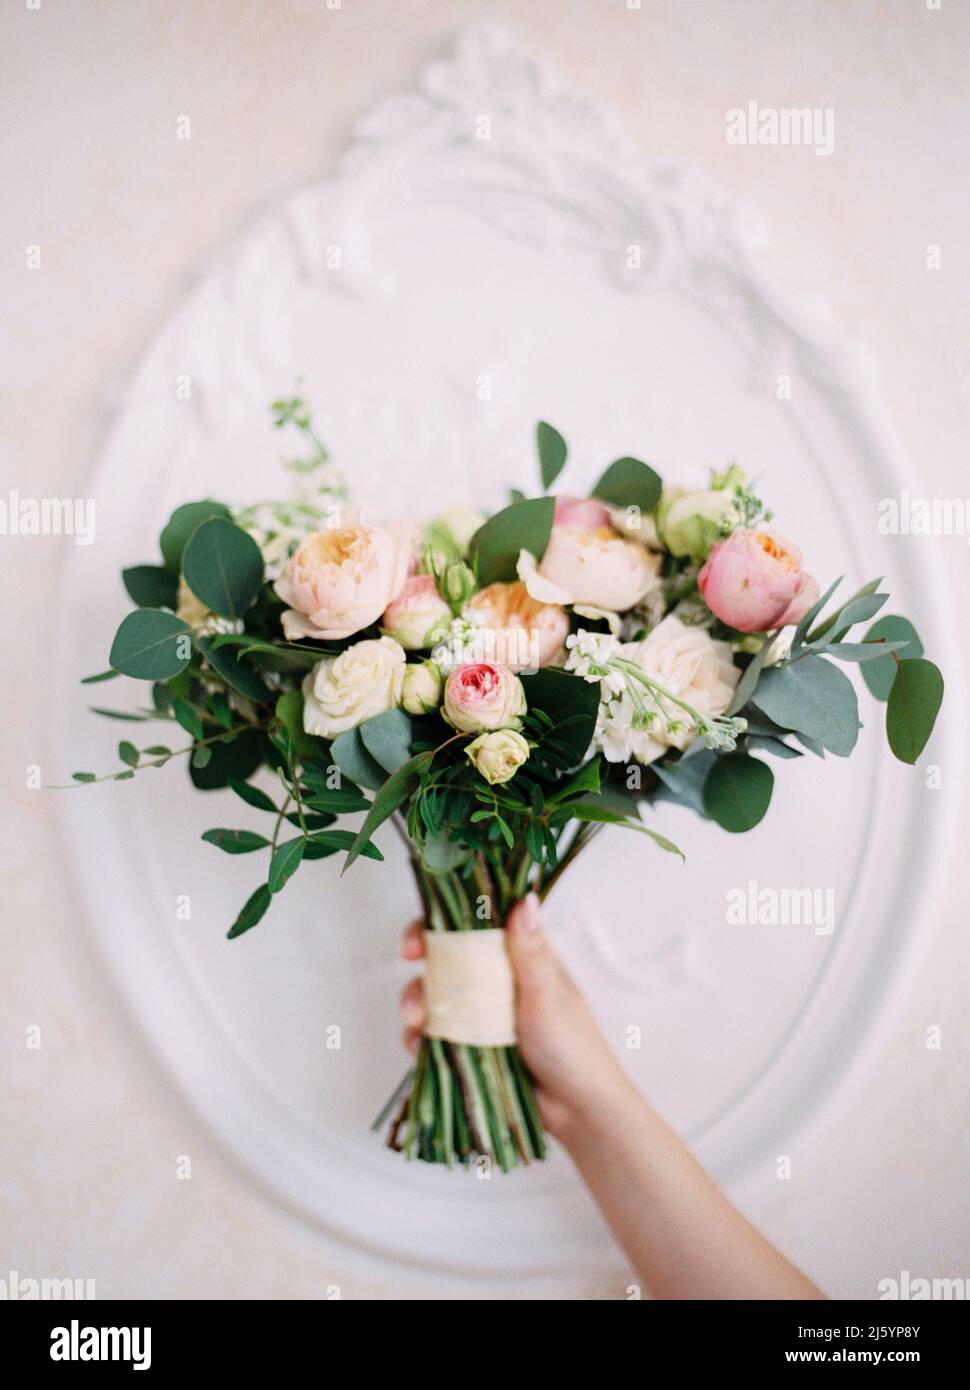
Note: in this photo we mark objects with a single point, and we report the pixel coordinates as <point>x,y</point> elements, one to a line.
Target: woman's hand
<point>558,1037</point>
<point>681,1233</point>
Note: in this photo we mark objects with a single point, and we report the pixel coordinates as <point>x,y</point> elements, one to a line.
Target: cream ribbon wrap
<point>468,987</point>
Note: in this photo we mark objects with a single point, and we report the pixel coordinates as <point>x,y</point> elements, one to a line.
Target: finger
<point>412,942</point>
<point>412,1004</point>
<point>411,1038</point>
<point>533,959</point>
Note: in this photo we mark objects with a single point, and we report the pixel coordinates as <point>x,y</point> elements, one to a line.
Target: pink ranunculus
<point>520,632</point>
<point>753,581</point>
<point>584,513</point>
<point>482,695</point>
<point>340,581</point>
<point>417,613</point>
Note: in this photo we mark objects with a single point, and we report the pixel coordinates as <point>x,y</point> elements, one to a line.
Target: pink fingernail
<point>530,912</point>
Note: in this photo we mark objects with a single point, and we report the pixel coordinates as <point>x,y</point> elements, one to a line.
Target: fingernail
<point>413,1014</point>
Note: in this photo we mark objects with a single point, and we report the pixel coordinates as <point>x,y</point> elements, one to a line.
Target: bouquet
<point>498,689</point>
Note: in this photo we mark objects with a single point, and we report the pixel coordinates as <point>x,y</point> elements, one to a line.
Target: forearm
<point>682,1236</point>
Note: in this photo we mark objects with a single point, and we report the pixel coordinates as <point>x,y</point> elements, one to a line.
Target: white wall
<point>93,174</point>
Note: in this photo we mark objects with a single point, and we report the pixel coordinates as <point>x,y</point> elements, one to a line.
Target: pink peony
<point>340,581</point>
<point>754,582</point>
<point>584,513</point>
<point>482,695</point>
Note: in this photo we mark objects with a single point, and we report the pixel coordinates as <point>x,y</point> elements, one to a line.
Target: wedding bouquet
<point>499,689</point>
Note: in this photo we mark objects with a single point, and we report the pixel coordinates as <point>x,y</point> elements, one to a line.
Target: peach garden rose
<point>522,632</point>
<point>340,581</point>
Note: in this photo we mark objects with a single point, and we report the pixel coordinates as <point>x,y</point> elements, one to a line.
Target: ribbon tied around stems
<point>469,987</point>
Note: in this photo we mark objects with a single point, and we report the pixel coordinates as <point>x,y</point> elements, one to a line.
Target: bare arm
<point>682,1235</point>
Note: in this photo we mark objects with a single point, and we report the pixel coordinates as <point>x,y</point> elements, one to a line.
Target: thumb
<point>534,962</point>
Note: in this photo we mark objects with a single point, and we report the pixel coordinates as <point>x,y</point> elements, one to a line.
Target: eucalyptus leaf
<point>151,645</point>
<point>629,483</point>
<point>814,697</point>
<point>151,586</point>
<point>737,792</point>
<point>354,761</point>
<point>388,738</point>
<point>223,566</point>
<point>683,781</point>
<point>495,546</point>
<point>749,677</point>
<point>552,453</point>
<point>234,670</point>
<point>914,702</point>
<point>184,521</point>
<point>879,675</point>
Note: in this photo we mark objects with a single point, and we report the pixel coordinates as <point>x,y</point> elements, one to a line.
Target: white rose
<point>691,665</point>
<point>342,691</point>
<point>422,688</point>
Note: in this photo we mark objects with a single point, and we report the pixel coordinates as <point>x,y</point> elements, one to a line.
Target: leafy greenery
<point>552,453</point>
<point>914,702</point>
<point>223,566</point>
<point>737,791</point>
<point>151,645</point>
<point>630,483</point>
<point>182,524</point>
<point>496,545</point>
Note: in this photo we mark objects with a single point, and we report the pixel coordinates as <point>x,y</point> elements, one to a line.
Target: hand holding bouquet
<point>499,689</point>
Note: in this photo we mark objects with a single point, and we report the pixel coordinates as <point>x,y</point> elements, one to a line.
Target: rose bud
<point>421,688</point>
<point>482,695</point>
<point>499,755</point>
<point>754,581</point>
<point>418,615</point>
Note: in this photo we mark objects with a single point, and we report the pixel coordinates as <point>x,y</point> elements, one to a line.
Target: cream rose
<point>520,632</point>
<point>691,665</point>
<point>342,691</point>
<point>422,687</point>
<point>341,580</point>
<point>499,755</point>
<point>481,695</point>
<point>591,567</point>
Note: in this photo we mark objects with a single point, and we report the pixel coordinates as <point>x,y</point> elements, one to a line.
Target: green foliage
<point>151,586</point>
<point>880,674</point>
<point>495,546</point>
<point>737,791</point>
<point>151,645</point>
<point>236,841</point>
<point>253,911</point>
<point>183,522</point>
<point>552,453</point>
<point>914,702</point>
<point>815,698</point>
<point>630,483</point>
<point>223,566</point>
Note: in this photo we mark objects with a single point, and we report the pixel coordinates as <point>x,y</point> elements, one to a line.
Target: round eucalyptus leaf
<point>223,566</point>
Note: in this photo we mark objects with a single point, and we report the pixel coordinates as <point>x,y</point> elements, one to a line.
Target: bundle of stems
<point>463,1102</point>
